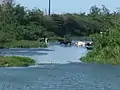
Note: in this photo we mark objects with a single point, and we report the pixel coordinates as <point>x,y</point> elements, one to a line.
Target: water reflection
<point>23,53</point>
<point>55,54</point>
<point>25,49</point>
<point>67,74</point>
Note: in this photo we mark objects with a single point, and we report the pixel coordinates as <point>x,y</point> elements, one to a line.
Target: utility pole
<point>49,11</point>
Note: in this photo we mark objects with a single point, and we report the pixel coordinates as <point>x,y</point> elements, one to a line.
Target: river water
<point>58,68</point>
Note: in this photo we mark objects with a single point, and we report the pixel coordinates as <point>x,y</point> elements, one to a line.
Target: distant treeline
<point>19,23</point>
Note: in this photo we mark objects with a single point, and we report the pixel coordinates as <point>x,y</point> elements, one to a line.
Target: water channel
<point>58,68</point>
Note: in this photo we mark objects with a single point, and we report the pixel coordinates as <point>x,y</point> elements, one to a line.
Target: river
<point>58,68</point>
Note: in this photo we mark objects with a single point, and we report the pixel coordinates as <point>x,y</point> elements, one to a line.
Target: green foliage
<point>106,45</point>
<point>107,55</point>
<point>32,24</point>
<point>19,25</point>
<point>15,61</point>
<point>23,44</point>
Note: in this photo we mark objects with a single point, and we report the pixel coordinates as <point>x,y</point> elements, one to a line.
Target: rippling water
<point>54,54</point>
<point>61,76</point>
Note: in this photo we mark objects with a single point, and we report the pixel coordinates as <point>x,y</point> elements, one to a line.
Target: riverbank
<point>108,55</point>
<point>15,61</point>
<point>106,48</point>
<point>23,44</point>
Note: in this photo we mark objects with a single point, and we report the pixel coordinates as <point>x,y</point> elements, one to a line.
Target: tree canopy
<point>23,24</point>
<point>19,23</point>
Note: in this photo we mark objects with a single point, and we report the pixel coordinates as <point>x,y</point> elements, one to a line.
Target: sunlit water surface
<point>58,68</point>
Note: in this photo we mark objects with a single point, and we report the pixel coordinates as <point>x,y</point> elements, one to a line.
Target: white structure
<point>46,40</point>
<point>80,43</point>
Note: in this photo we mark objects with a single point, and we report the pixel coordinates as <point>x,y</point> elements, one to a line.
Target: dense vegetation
<point>18,23</point>
<point>107,44</point>
<point>13,61</point>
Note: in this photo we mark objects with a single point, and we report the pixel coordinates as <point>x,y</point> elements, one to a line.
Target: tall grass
<point>15,61</point>
<point>106,49</point>
<point>23,44</point>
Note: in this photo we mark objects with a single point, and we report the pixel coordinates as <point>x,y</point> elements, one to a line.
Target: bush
<point>23,44</point>
<point>10,61</point>
<point>106,49</point>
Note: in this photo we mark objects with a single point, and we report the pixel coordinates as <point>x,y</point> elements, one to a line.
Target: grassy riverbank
<point>15,61</point>
<point>106,47</point>
<point>107,55</point>
<point>23,44</point>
